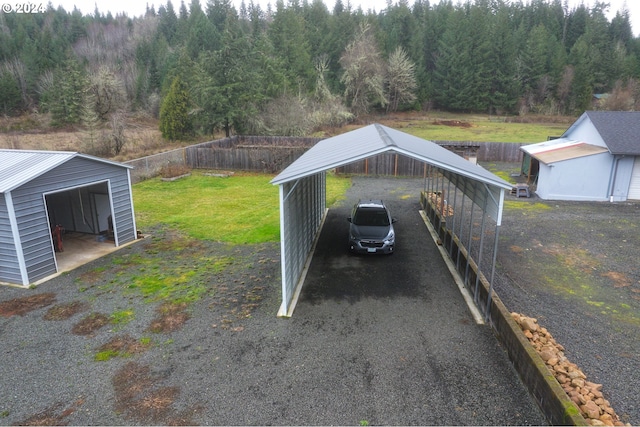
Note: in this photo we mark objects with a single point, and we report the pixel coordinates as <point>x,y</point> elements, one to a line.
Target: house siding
<point>31,213</point>
<point>567,180</point>
<point>584,130</point>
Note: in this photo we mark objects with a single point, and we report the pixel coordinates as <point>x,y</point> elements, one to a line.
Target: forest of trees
<point>299,65</point>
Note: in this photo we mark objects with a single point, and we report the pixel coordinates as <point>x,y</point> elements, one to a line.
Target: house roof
<point>376,139</point>
<point>620,130</point>
<point>560,149</point>
<point>18,167</point>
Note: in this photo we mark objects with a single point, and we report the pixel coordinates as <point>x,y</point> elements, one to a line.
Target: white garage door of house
<point>634,186</point>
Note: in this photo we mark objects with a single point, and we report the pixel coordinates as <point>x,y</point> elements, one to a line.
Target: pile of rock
<point>587,396</point>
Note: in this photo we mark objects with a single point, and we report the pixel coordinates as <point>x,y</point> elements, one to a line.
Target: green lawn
<point>243,208</point>
<point>438,126</point>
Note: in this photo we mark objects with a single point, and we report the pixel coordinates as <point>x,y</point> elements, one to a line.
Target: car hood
<point>370,232</point>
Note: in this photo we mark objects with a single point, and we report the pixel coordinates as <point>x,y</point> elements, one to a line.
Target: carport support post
<point>450,226</point>
<point>460,233</point>
<point>440,186</point>
<point>466,271</point>
<point>482,230</point>
<point>487,313</point>
<point>429,192</point>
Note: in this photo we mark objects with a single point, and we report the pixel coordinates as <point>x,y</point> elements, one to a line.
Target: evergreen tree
<point>453,72</point>
<point>288,35</point>
<point>168,25</point>
<point>10,100</point>
<point>65,98</point>
<point>227,85</point>
<point>202,34</point>
<point>175,121</point>
<point>502,55</point>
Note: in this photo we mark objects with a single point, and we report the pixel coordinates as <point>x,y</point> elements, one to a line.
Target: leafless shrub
<point>283,116</point>
<point>623,97</point>
<point>172,170</point>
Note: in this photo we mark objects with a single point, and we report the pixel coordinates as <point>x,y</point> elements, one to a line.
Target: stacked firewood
<point>441,205</point>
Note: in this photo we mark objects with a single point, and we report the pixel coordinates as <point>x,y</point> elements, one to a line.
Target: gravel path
<point>574,266</point>
<point>342,359</point>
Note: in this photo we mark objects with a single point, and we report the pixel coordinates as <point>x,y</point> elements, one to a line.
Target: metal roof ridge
<point>384,135</point>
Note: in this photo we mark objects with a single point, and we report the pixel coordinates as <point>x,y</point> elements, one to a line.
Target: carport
<point>302,189</point>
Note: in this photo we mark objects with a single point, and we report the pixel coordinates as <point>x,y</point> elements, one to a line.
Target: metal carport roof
<point>376,139</point>
<point>299,187</point>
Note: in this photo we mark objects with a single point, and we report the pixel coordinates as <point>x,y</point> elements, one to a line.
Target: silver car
<point>371,228</point>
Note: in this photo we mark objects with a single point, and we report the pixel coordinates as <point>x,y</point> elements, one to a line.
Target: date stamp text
<point>23,8</point>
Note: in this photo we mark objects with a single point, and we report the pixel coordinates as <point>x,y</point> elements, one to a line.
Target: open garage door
<point>80,223</point>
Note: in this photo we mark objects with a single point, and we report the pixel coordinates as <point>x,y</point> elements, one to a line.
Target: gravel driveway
<point>372,341</point>
<point>574,266</point>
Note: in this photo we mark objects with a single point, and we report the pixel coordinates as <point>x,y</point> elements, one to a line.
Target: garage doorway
<point>80,223</point>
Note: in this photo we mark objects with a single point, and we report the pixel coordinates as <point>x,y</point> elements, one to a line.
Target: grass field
<point>478,128</point>
<point>242,208</point>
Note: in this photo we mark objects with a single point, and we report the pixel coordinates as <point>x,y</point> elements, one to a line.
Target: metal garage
<point>40,190</point>
<point>302,191</point>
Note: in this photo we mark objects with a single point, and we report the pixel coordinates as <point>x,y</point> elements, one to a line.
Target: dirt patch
<point>171,316</point>
<point>54,416</point>
<point>24,305</point>
<point>65,311</point>
<point>452,123</point>
<point>124,346</point>
<point>140,398</point>
<point>619,280</point>
<point>90,324</point>
<point>572,257</point>
<point>237,302</point>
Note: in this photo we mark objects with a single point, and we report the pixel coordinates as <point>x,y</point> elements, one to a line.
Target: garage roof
<point>376,139</point>
<point>557,150</point>
<point>18,167</point>
<point>618,129</point>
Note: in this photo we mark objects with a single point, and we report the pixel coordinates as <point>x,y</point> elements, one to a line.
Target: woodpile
<point>440,204</point>
<point>587,396</point>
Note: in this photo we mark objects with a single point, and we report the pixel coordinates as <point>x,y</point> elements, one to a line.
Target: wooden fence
<point>273,154</point>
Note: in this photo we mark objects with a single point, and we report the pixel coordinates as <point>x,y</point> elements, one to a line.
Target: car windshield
<point>371,217</point>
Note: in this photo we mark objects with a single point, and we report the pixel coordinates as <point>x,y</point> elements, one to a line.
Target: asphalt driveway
<point>405,348</point>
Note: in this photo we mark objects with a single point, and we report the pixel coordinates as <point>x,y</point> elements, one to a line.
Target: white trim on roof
<point>18,167</point>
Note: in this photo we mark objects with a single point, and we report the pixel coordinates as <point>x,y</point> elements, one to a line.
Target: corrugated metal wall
<point>31,213</point>
<point>9,267</point>
<point>302,209</point>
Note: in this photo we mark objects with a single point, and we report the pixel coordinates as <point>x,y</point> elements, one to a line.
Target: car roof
<point>371,203</point>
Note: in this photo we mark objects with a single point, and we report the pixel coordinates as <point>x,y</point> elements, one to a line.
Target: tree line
<point>299,66</point>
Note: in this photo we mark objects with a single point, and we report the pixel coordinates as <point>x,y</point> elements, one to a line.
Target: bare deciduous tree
<point>401,80</point>
<point>623,97</point>
<point>108,93</point>
<point>363,72</point>
<point>564,87</point>
<point>19,72</point>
